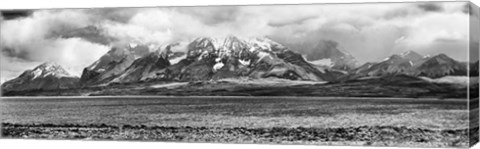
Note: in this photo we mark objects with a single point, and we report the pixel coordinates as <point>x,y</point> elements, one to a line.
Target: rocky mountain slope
<point>439,66</point>
<point>392,65</point>
<point>113,63</point>
<point>142,67</point>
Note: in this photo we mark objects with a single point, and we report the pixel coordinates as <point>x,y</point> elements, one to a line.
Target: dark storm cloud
<point>23,55</point>
<point>121,15</point>
<point>14,14</point>
<point>212,15</point>
<point>430,7</point>
<point>446,40</point>
<point>396,14</point>
<point>89,33</point>
<point>290,22</point>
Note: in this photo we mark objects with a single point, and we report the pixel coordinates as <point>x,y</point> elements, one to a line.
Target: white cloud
<point>75,53</point>
<point>427,29</point>
<point>13,67</point>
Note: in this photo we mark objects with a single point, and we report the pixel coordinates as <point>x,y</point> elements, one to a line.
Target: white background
<point>36,4</point>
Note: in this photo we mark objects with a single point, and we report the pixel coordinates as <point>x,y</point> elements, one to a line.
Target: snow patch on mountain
<point>270,81</point>
<point>218,66</point>
<point>404,54</point>
<point>385,59</point>
<point>263,44</point>
<point>170,85</point>
<point>175,60</point>
<point>323,62</point>
<point>244,62</point>
<point>459,80</point>
<point>132,45</point>
<point>262,55</point>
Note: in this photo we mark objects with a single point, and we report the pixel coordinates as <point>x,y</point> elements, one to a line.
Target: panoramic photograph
<point>366,74</point>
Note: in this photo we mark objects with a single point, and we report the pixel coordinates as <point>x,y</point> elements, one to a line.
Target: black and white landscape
<point>383,74</point>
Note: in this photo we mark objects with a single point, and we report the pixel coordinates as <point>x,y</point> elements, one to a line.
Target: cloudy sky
<point>370,32</point>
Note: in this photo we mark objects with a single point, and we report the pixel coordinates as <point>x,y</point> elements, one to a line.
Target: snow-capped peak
<point>115,54</point>
<point>225,47</point>
<point>411,55</point>
<point>208,41</point>
<point>406,53</point>
<point>48,65</point>
<point>49,69</point>
<point>386,59</point>
<point>260,44</point>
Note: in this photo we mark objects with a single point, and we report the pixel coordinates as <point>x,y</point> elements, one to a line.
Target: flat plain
<point>288,120</point>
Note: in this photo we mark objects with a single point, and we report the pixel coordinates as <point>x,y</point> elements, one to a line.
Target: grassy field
<point>445,120</point>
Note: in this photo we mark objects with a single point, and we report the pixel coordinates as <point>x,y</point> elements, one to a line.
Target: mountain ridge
<point>412,63</point>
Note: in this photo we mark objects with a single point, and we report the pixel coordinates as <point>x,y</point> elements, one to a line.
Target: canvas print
<point>366,74</point>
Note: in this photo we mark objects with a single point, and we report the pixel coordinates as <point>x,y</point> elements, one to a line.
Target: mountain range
<point>210,59</point>
<point>413,64</point>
